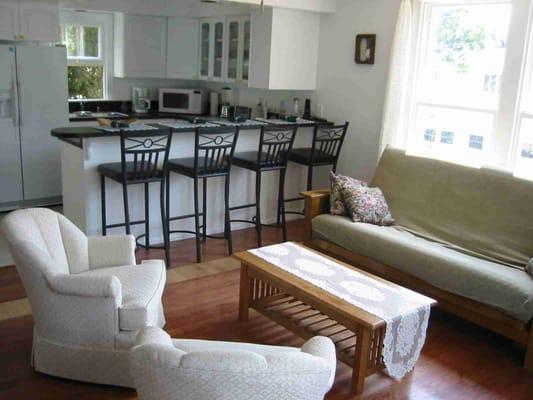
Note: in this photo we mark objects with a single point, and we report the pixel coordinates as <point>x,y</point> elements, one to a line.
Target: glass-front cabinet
<point>225,49</point>
<point>238,48</point>
<point>212,48</point>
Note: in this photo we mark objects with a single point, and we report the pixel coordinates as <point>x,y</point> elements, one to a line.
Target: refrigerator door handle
<point>14,102</point>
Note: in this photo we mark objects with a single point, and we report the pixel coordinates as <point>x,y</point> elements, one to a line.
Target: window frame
<point>104,21</point>
<point>503,144</point>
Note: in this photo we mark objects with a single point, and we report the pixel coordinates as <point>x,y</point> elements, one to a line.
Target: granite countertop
<point>75,135</point>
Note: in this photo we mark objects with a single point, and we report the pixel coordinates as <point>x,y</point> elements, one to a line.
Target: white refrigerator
<point>33,100</point>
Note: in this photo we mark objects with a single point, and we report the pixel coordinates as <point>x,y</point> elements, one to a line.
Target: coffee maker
<point>140,101</point>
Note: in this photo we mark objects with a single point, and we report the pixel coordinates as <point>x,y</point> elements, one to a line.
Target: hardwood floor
<point>459,361</point>
<point>182,253</point>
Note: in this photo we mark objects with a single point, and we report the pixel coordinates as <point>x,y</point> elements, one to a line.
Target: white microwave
<point>183,101</point>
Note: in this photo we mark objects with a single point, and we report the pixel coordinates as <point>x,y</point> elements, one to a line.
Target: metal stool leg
<point>102,198</point>
<point>164,223</point>
<point>227,217</point>
<point>258,208</point>
<point>204,209</point>
<point>147,213</point>
<point>281,203</point>
<point>126,208</point>
<point>197,222</point>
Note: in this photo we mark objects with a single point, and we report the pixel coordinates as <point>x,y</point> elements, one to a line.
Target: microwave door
<point>177,101</point>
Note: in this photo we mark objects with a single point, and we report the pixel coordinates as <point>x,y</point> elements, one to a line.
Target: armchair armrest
<point>153,335</point>
<point>86,286</point>
<point>324,348</point>
<point>111,251</point>
<point>316,203</point>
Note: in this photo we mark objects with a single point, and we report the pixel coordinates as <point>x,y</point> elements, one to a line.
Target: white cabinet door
<point>212,64</point>
<point>237,47</point>
<point>43,106</point>
<point>10,165</point>
<point>145,46</point>
<point>205,60</point>
<point>39,22</point>
<point>8,20</point>
<point>182,48</point>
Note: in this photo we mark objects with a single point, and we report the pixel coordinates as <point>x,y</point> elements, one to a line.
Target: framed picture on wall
<point>365,49</point>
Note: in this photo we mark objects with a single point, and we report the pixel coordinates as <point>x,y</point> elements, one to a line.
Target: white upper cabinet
<point>182,48</point>
<point>27,20</point>
<point>212,60</point>
<point>284,52</point>
<point>8,21</point>
<point>39,21</point>
<point>238,38</point>
<point>140,46</point>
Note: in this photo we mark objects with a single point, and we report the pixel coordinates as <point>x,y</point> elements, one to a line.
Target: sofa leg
<point>528,363</point>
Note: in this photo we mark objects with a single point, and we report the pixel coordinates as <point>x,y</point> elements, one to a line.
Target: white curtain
<point>396,113</point>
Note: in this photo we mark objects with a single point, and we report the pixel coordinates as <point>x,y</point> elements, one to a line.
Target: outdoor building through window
<point>84,35</point>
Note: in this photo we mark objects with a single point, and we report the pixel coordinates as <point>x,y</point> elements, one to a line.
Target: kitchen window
<point>86,36</point>
<point>468,72</point>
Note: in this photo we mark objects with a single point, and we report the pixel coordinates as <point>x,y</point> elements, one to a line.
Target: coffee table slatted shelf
<point>307,311</point>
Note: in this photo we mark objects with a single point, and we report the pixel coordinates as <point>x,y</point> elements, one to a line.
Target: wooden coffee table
<point>309,311</point>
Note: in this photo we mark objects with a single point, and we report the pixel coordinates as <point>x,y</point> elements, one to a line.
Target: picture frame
<point>365,49</point>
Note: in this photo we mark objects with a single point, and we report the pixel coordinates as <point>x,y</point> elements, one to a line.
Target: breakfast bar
<point>83,149</point>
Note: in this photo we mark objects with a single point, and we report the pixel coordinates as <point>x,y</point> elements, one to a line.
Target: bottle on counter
<point>265,110</point>
<point>296,107</point>
<point>307,109</point>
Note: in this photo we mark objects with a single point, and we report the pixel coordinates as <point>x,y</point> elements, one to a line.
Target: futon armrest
<point>316,203</point>
<point>111,251</point>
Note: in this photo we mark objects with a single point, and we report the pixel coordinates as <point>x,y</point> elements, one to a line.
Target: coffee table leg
<point>244,296</point>
<point>362,355</point>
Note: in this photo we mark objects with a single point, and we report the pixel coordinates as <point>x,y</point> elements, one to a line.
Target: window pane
<point>450,134</point>
<point>465,55</point>
<point>86,81</point>
<point>90,41</point>
<point>524,159</point>
<point>71,40</point>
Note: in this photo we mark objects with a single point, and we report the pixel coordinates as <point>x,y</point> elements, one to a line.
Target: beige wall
<point>351,92</point>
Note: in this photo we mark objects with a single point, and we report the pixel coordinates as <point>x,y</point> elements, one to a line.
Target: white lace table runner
<point>406,312</point>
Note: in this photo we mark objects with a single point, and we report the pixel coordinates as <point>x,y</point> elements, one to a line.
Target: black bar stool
<point>144,160</point>
<point>325,150</point>
<point>213,154</point>
<point>275,144</point>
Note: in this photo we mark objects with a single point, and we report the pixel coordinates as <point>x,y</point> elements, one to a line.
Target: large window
<point>472,84</point>
<point>86,36</point>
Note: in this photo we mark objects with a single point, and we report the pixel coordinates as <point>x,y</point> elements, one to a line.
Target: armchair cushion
<point>111,251</point>
<point>142,288</point>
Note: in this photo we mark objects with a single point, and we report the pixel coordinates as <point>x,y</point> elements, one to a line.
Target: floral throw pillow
<point>367,205</point>
<point>338,184</point>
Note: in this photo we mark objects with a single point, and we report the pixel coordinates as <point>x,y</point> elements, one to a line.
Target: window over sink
<point>86,36</point>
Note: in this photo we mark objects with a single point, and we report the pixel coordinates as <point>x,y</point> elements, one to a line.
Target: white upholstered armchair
<point>182,369</point>
<point>88,298</point>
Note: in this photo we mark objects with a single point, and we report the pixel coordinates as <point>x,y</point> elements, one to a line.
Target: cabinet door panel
<point>218,58</point>
<point>8,21</point>
<point>205,49</point>
<point>145,42</point>
<point>39,22</point>
<point>182,48</point>
<point>233,49</point>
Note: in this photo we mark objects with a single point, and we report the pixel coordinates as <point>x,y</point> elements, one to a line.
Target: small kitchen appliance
<point>140,100</point>
<point>183,101</point>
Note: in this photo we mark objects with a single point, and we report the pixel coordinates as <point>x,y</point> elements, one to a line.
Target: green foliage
<point>456,38</point>
<point>86,81</point>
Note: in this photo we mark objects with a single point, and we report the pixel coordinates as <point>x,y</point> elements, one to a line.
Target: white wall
<point>352,92</point>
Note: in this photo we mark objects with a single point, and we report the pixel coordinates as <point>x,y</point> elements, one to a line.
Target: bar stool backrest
<point>214,149</point>
<point>275,144</point>
<point>327,143</point>
<point>144,154</point>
